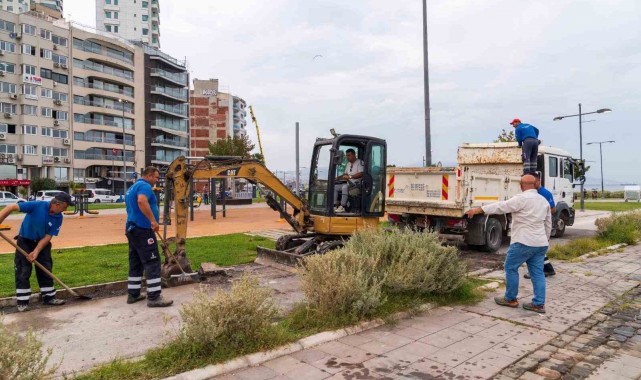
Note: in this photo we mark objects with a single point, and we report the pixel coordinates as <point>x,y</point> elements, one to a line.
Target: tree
<point>232,146</point>
<point>43,184</point>
<point>506,136</point>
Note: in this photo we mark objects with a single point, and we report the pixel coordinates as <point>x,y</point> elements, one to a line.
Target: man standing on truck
<point>527,136</point>
<point>531,228</point>
<point>352,176</point>
<point>548,269</point>
<point>142,224</point>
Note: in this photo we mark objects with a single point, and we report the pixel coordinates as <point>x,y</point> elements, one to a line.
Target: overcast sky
<point>490,61</point>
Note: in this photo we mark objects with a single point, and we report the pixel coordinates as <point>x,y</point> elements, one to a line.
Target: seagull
<point>317,56</point>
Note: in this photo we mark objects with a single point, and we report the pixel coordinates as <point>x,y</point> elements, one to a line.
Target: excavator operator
<point>350,178</point>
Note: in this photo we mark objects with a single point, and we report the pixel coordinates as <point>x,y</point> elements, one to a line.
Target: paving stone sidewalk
<point>486,341</point>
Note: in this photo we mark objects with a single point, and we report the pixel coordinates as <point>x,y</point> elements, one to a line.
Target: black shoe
<point>547,274</point>
<point>159,302</point>
<point>54,302</point>
<point>131,299</point>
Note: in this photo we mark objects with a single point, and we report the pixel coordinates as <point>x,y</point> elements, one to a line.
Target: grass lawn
<point>95,265</point>
<point>612,206</point>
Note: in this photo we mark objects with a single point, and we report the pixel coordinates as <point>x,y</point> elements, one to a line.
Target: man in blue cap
<point>142,224</point>
<point>41,223</point>
<point>527,136</point>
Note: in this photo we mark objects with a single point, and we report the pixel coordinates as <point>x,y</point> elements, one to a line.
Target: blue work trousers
<point>518,254</point>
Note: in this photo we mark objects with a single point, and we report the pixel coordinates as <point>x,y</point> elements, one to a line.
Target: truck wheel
<point>560,225</point>
<point>493,235</point>
<point>96,201</point>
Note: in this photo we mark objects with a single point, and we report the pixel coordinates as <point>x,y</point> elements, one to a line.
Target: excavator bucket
<point>277,259</point>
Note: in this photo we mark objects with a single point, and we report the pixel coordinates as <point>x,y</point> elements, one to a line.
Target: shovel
<point>42,268</point>
<point>184,276</point>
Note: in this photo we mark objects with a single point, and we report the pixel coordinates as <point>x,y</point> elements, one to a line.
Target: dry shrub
<point>411,260</point>
<point>234,318</point>
<point>341,284</point>
<point>21,357</point>
<point>620,228</point>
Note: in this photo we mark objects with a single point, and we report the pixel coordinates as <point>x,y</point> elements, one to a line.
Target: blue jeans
<point>518,254</point>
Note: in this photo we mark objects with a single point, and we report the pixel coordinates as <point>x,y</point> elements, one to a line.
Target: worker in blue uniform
<point>141,226</point>
<point>41,223</point>
<point>527,136</point>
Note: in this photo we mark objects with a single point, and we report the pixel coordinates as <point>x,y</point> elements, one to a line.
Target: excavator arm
<point>181,173</point>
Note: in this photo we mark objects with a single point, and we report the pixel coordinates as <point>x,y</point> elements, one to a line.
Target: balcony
<point>180,94</point>
<point>87,120</point>
<point>178,78</point>
<point>179,110</point>
<point>170,143</point>
<point>115,106</point>
<point>93,66</point>
<point>102,51</point>
<point>80,155</point>
<point>171,128</point>
<point>107,87</point>
<point>104,140</point>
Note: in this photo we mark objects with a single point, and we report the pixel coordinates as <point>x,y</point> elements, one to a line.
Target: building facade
<point>166,106</point>
<point>108,108</point>
<point>209,116</point>
<point>22,6</point>
<point>133,20</point>
<point>240,117</point>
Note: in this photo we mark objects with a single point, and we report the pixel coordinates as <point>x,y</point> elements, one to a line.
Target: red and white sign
<point>15,182</point>
<point>33,79</point>
<point>47,160</point>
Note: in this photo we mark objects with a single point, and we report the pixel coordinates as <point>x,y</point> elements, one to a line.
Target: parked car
<point>100,196</point>
<point>47,195</point>
<point>7,198</point>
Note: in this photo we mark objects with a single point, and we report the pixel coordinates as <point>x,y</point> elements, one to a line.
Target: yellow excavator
<point>317,226</point>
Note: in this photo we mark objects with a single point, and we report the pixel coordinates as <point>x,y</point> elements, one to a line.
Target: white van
<point>100,196</point>
<point>47,195</point>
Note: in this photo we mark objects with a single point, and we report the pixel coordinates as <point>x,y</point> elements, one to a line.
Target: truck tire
<point>493,235</point>
<point>560,225</point>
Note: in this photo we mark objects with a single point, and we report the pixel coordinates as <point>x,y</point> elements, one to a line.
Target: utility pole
<point>601,155</point>
<point>297,159</point>
<point>426,85</point>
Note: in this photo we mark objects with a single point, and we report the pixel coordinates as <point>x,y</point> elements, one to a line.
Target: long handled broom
<point>183,276</point>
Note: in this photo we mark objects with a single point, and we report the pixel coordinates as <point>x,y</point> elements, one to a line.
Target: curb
<point>116,286</point>
<point>302,344</point>
<point>597,253</point>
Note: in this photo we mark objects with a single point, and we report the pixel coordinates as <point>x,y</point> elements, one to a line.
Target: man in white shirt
<point>531,228</point>
<point>352,176</point>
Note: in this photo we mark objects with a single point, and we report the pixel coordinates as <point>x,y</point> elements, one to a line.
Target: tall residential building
<point>108,108</point>
<point>21,6</point>
<point>240,117</point>
<point>133,20</point>
<point>166,106</point>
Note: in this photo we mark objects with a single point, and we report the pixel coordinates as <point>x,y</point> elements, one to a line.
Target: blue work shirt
<point>523,131</point>
<point>545,193</point>
<point>38,222</point>
<point>134,215</point>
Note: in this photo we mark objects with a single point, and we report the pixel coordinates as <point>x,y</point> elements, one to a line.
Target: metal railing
<point>172,126</point>
<point>89,156</point>
<point>116,106</point>
<point>182,143</point>
<point>103,51</point>
<point>87,120</point>
<point>106,87</point>
<point>178,109</point>
<point>88,65</point>
<point>176,77</point>
<point>179,93</point>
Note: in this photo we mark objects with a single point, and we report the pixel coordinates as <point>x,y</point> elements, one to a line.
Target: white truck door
<point>566,191</point>
<point>552,165</point>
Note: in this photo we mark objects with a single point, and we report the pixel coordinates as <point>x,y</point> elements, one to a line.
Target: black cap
<point>64,197</point>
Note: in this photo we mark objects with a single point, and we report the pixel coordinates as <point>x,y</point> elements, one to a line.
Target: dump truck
<point>436,198</point>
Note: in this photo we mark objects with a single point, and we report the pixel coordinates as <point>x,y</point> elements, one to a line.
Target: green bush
<point>576,248</point>
<point>341,284</point>
<point>241,316</point>
<point>21,357</point>
<point>411,261</point>
<point>620,228</point>
<point>38,184</point>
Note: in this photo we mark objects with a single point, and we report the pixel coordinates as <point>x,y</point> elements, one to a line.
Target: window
<point>553,167</point>
<point>46,112</point>
<point>60,134</point>
<point>28,49</point>
<point>116,15</point>
<point>29,29</point>
<point>145,17</point>
<point>29,69</point>
<point>145,4</point>
<point>7,67</point>
<point>108,28</point>
<point>60,59</point>
<point>145,31</point>
<point>115,2</point>
<point>47,151</point>
<point>60,96</point>
<point>7,87</point>
<point>8,108</point>
<point>60,115</point>
<point>107,14</point>
<point>44,33</point>
<point>30,149</point>
<point>46,93</point>
<point>568,170</point>
<point>45,53</point>
<point>108,2</point>
<point>7,148</point>
<point>59,40</point>
<point>9,8</point>
<point>115,28</point>
<point>8,46</point>
<point>60,174</point>
<point>56,77</point>
<point>30,91</point>
<point>46,131</point>
<point>7,26</point>
<point>29,129</point>
<point>28,109</point>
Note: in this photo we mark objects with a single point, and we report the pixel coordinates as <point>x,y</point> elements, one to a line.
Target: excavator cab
<point>362,198</point>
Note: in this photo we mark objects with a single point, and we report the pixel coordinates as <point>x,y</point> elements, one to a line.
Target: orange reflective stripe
<point>390,187</point>
<point>444,187</point>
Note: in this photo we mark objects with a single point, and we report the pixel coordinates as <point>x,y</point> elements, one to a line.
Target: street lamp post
<point>124,159</point>
<point>601,156</point>
<point>580,115</point>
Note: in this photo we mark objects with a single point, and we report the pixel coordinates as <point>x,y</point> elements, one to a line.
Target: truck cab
<point>556,168</point>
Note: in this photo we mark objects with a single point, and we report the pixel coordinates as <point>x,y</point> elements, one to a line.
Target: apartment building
<point>21,6</point>
<point>108,108</point>
<point>166,106</point>
<point>35,130</point>
<point>133,20</point>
